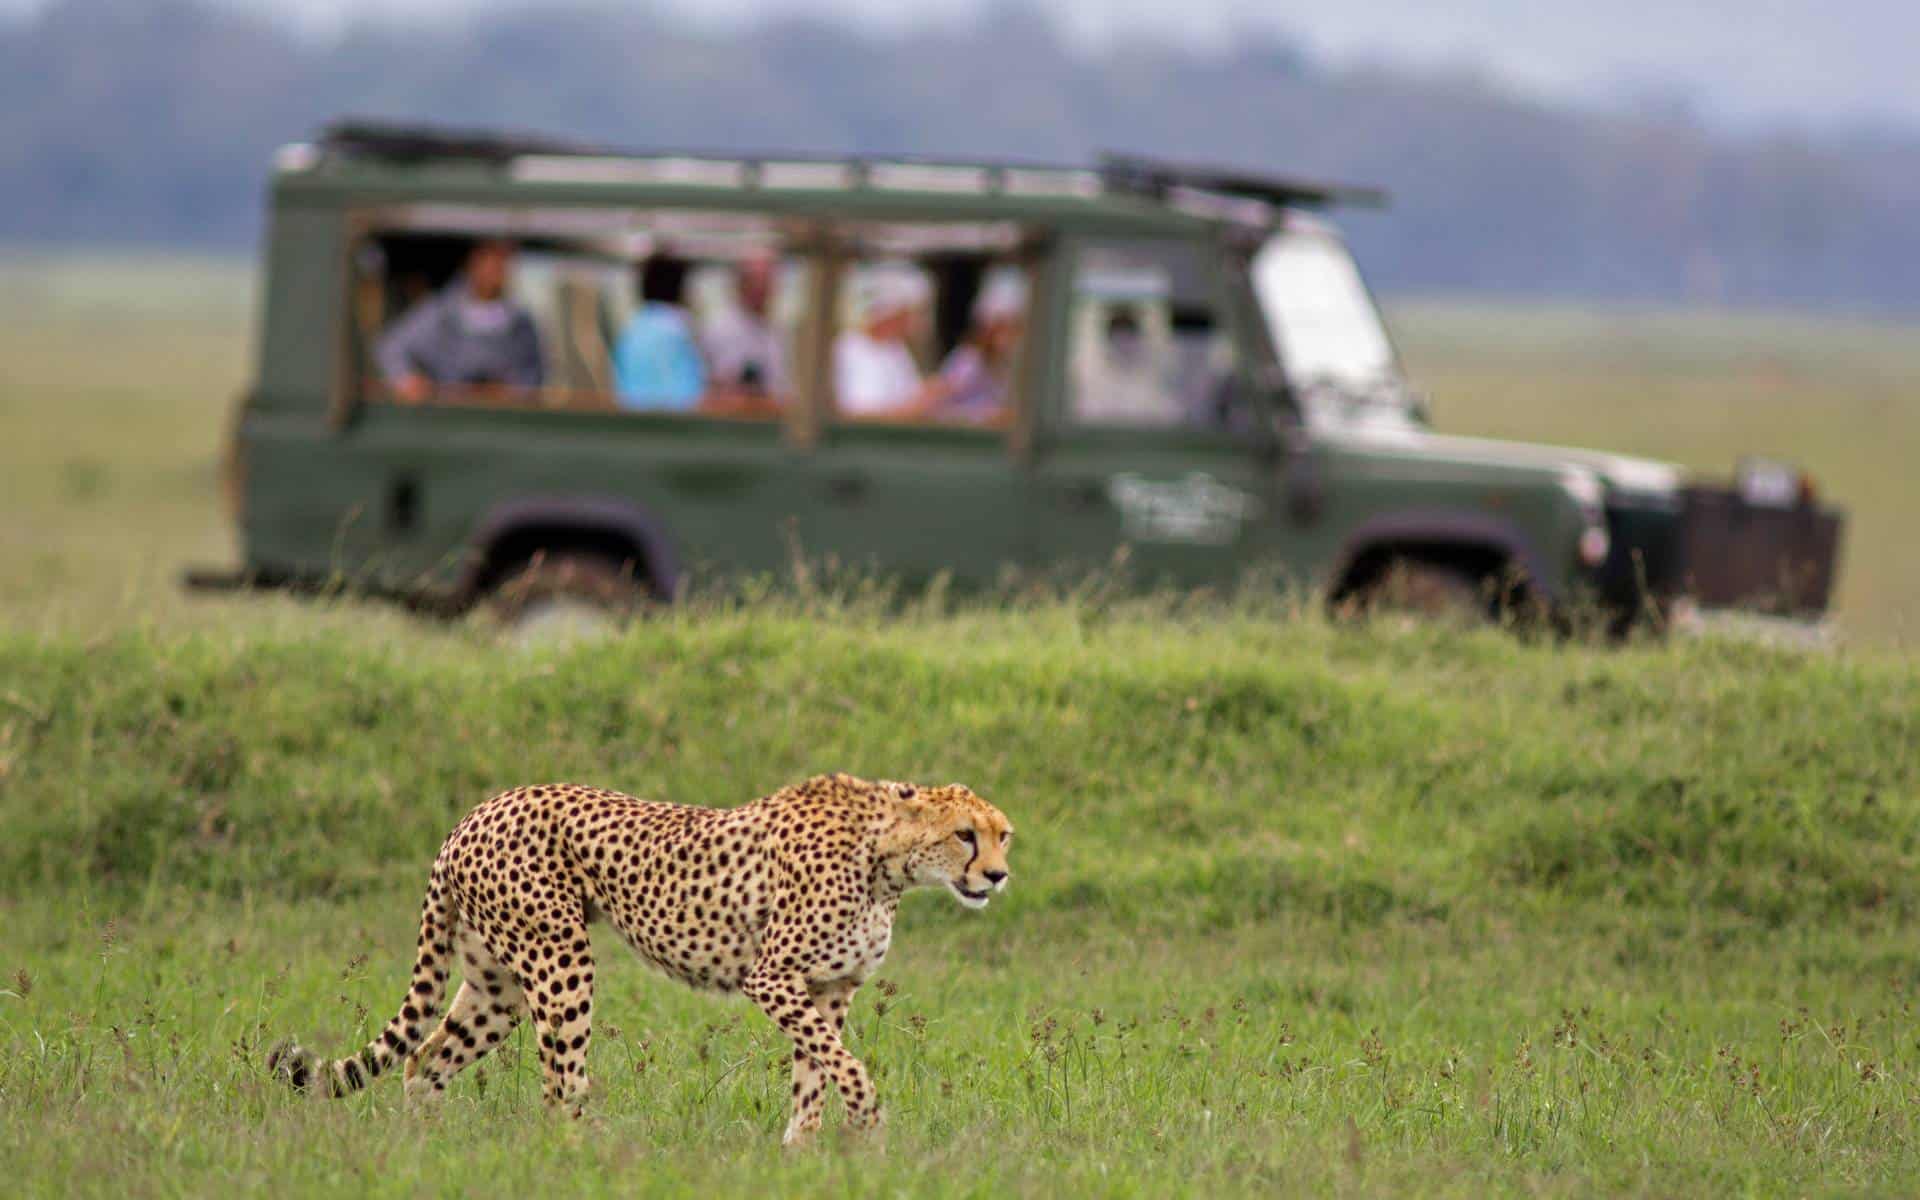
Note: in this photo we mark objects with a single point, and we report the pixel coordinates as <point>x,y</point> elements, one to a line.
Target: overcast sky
<point>1800,62</point>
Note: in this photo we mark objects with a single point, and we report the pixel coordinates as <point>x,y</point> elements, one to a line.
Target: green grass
<point>1296,909</point>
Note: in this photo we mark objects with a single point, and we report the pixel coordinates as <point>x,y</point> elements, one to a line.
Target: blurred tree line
<point>151,122</point>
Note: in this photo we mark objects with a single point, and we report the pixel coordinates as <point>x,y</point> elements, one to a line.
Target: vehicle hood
<point>1619,472</point>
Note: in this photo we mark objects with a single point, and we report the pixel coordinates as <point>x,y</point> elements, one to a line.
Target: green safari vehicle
<point>519,372</point>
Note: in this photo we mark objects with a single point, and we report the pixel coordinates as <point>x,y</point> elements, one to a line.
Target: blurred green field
<point>117,379</point>
<point>115,385</point>
<point>1841,398</point>
<point>1298,907</point>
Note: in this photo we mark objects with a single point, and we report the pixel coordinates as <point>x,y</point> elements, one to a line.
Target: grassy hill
<point>1294,907</point>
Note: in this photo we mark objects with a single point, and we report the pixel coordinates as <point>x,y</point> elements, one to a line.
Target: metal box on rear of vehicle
<point>1776,560</point>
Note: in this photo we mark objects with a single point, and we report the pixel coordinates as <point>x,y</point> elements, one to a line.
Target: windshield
<point>1326,329</point>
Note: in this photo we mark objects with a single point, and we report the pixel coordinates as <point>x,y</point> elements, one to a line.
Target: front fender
<point>1464,529</point>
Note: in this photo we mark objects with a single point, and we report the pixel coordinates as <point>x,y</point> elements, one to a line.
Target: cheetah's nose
<point>996,878</point>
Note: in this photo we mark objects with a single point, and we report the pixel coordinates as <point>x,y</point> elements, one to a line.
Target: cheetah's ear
<point>902,791</point>
<point>909,800</point>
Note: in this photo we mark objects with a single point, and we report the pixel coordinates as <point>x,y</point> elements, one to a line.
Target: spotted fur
<point>788,900</point>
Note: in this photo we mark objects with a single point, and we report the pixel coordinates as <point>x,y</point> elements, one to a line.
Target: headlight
<point>1591,495</point>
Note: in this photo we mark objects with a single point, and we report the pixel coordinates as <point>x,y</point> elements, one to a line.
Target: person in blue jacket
<point>656,361</point>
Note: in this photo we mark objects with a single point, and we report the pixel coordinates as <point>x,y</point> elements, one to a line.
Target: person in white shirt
<point>744,350</point>
<point>874,373</point>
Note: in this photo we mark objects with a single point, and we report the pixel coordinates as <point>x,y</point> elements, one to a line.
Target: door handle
<point>1085,494</point>
<point>847,489</point>
<point>1305,485</point>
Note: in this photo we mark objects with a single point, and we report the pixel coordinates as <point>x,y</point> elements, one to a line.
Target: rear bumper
<point>229,579</point>
<point>433,601</point>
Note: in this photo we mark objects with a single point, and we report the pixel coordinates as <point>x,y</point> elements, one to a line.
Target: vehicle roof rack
<point>1159,180</point>
<point>401,142</point>
<point>1135,174</point>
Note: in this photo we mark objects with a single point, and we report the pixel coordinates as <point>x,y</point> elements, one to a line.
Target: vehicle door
<point>1154,450</point>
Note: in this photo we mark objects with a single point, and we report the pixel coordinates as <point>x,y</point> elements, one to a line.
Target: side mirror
<point>1272,379</point>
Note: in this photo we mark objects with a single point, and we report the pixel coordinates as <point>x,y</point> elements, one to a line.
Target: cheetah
<point>788,900</point>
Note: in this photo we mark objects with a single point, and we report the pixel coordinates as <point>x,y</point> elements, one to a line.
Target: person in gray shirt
<point>468,335</point>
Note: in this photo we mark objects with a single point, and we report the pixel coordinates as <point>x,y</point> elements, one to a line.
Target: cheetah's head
<point>948,837</point>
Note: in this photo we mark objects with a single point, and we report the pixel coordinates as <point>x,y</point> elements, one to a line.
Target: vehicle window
<point>930,339</point>
<point>664,315</point>
<point>1329,335</point>
<point>1322,318</point>
<point>1147,346</point>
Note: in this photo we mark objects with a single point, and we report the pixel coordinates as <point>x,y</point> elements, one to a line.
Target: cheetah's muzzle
<point>971,898</point>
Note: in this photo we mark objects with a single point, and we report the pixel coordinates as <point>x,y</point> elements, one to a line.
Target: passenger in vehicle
<point>656,361</point>
<point>744,350</point>
<point>1123,381</point>
<point>978,371</point>
<point>467,335</point>
<point>874,373</point>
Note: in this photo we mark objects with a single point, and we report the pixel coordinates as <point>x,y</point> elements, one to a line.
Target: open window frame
<point>616,238</point>
<point>976,246</point>
<point>825,249</point>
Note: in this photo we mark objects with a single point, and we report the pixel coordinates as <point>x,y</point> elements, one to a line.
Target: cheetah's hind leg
<point>489,1004</point>
<point>557,973</point>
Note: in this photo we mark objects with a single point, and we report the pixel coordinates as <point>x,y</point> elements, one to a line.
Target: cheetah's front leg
<point>809,1082</point>
<point>785,998</point>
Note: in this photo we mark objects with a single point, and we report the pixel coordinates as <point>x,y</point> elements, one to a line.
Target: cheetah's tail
<point>299,1068</point>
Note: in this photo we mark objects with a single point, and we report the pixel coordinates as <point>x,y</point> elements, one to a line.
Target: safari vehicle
<point>1197,379</point>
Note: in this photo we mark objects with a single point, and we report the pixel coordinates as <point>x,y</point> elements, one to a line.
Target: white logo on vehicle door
<point>1198,508</point>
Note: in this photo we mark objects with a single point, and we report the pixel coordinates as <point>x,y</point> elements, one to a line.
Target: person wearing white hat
<point>874,373</point>
<point>977,372</point>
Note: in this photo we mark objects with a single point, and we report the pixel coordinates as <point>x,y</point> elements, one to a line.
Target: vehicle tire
<point>565,595</point>
<point>1426,591</point>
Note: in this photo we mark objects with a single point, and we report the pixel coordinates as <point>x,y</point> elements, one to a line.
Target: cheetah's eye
<point>966,836</point>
